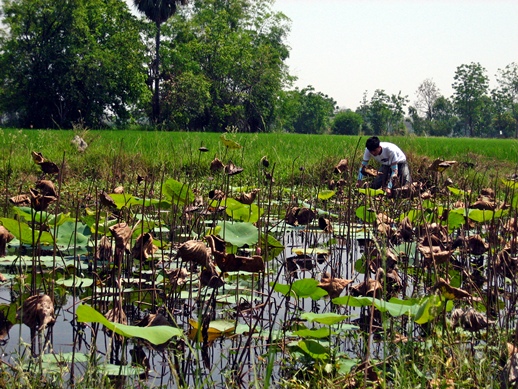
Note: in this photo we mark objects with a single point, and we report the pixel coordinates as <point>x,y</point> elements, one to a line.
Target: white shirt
<point>390,154</point>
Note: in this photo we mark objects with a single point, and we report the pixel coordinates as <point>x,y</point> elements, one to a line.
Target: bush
<point>346,123</point>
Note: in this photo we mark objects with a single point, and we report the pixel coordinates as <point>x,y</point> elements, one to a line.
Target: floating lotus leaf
<point>328,319</point>
<point>239,233</point>
<point>155,335</point>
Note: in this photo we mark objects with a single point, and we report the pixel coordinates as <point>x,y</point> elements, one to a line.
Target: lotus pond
<point>212,283</point>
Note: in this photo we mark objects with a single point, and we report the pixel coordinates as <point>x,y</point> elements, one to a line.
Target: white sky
<point>346,47</point>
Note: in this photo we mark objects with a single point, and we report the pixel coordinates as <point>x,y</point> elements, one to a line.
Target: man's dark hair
<point>372,143</point>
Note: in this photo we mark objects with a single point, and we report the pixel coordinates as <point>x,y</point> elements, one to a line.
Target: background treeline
<point>207,65</point>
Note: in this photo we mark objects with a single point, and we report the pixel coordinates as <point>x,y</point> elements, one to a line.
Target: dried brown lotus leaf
<point>48,167</point>
<point>119,190</point>
<point>20,200</point>
<point>405,229</point>
<point>230,262</point>
<point>177,277</point>
<point>469,319</point>
<point>37,312</point>
<point>194,251</point>
<point>153,320</point>
<point>440,165</point>
<point>325,224</point>
<point>426,195</point>
<point>5,237</point>
<point>122,234</point>
<point>107,200</point>
<point>333,286</point>
<point>450,292</point>
<point>484,204</point>
<point>305,216</point>
<point>231,169</point>
<point>369,171</point>
<point>216,194</point>
<point>248,198</point>
<point>291,216</point>
<point>46,188</point>
<point>341,166</point>
<point>40,202</point>
<point>144,247</point>
<point>488,192</point>
<point>369,288</point>
<point>216,165</point>
<point>104,250</point>
<point>477,245</point>
<point>383,218</point>
<point>37,157</point>
<point>210,277</point>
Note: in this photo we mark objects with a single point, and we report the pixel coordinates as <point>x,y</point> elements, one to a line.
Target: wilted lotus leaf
<point>265,162</point>
<point>385,229</point>
<point>231,169</point>
<point>393,282</point>
<point>216,165</point>
<point>369,288</point>
<point>5,326</point>
<point>506,264</point>
<point>5,237</point>
<point>194,251</point>
<point>48,167</point>
<point>37,157</point>
<point>299,216</point>
<point>477,245</point>
<point>37,312</point>
<point>210,277</point>
<point>230,262</point>
<point>305,216</point>
<point>510,372</point>
<point>177,277</point>
<point>144,247</point>
<point>484,203</point>
<point>104,250</point>
<point>119,190</point>
<point>203,149</point>
<point>122,234</point>
<point>40,202</point>
<point>341,166</point>
<point>20,200</point>
<point>333,286</point>
<point>488,192</point>
<point>511,225</point>
<point>405,229</point>
<point>469,319</point>
<point>450,292</point>
<point>426,195</point>
<point>248,198</point>
<point>440,165</point>
<point>153,320</point>
<point>434,253</point>
<point>216,194</point>
<point>383,218</point>
<point>107,200</point>
<point>116,315</point>
<point>325,224</point>
<point>369,171</point>
<point>46,188</point>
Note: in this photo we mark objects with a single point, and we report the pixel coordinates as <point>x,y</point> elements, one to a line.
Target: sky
<point>344,48</point>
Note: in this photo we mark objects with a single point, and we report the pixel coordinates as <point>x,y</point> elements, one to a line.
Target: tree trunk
<point>156,94</point>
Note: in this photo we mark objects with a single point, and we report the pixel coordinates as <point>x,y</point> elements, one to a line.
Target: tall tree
<point>470,86</point>
<point>70,61</point>
<point>232,52</point>
<point>426,95</point>
<point>507,94</point>
<point>384,114</point>
<point>158,11</point>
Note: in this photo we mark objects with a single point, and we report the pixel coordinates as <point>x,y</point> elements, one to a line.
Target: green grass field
<point>115,156</point>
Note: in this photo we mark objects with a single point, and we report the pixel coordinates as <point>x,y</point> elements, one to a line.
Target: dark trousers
<point>403,176</point>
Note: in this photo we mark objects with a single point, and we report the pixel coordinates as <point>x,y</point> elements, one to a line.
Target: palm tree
<point>158,11</point>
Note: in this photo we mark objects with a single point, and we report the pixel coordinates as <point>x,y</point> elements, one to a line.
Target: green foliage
<point>70,62</point>
<point>347,123</point>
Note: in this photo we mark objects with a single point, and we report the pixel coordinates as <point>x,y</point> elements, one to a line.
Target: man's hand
<point>388,191</point>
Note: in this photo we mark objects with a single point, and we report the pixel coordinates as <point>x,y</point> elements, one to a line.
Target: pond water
<point>262,317</point>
